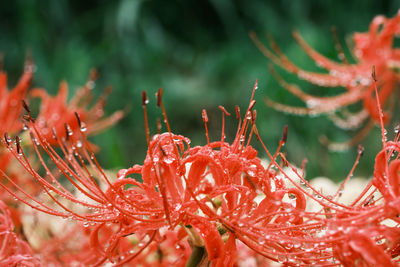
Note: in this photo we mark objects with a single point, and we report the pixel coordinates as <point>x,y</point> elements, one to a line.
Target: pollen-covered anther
<point>224,110</point>
<point>7,139</point>
<point>237,110</point>
<point>93,75</point>
<point>68,131</point>
<point>251,105</point>
<point>54,132</point>
<point>204,116</point>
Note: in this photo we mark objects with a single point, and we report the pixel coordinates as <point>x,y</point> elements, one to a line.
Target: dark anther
<point>237,109</point>
<point>360,150</point>
<point>26,107</point>
<point>18,143</point>
<point>67,131</point>
<point>145,100</point>
<point>78,119</point>
<point>159,96</point>
<point>6,138</point>
<point>373,73</point>
<point>163,151</point>
<point>284,134</point>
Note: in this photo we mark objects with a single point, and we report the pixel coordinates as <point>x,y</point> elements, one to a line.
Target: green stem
<point>196,258</point>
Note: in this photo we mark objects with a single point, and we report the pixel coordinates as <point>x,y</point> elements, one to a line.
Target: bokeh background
<point>201,54</point>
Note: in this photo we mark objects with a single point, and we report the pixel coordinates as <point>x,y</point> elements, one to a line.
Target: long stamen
<point>224,112</point>
<point>145,101</point>
<point>160,103</point>
<point>205,120</point>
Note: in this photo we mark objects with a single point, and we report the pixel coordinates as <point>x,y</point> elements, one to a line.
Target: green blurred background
<point>200,53</point>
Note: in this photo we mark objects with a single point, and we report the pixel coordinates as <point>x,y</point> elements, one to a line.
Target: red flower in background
<point>373,48</point>
<point>13,250</point>
<point>57,113</point>
<point>10,105</point>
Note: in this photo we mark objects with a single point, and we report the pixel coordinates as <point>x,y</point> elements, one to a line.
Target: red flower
<point>57,113</point>
<point>212,199</point>
<point>13,250</point>
<point>373,48</point>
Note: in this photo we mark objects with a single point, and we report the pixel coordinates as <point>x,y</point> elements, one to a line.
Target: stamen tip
<point>373,73</point>
<point>204,115</point>
<point>78,119</point>
<point>360,150</point>
<point>26,107</point>
<point>145,99</point>
<point>284,134</point>
<point>159,96</point>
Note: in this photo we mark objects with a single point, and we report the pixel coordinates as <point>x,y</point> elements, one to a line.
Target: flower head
<point>13,250</point>
<point>373,48</point>
<point>57,116</point>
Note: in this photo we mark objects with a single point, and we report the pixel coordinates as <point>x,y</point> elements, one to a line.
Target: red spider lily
<point>57,117</point>
<point>13,250</point>
<point>373,48</point>
<point>213,199</point>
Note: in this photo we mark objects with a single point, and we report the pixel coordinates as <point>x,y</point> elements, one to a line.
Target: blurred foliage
<point>200,53</point>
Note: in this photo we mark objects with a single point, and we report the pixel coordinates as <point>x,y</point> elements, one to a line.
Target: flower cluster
<point>373,48</point>
<point>202,204</point>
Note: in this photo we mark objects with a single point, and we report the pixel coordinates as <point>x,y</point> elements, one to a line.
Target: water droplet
<point>83,127</point>
<point>282,258</point>
<point>168,160</point>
